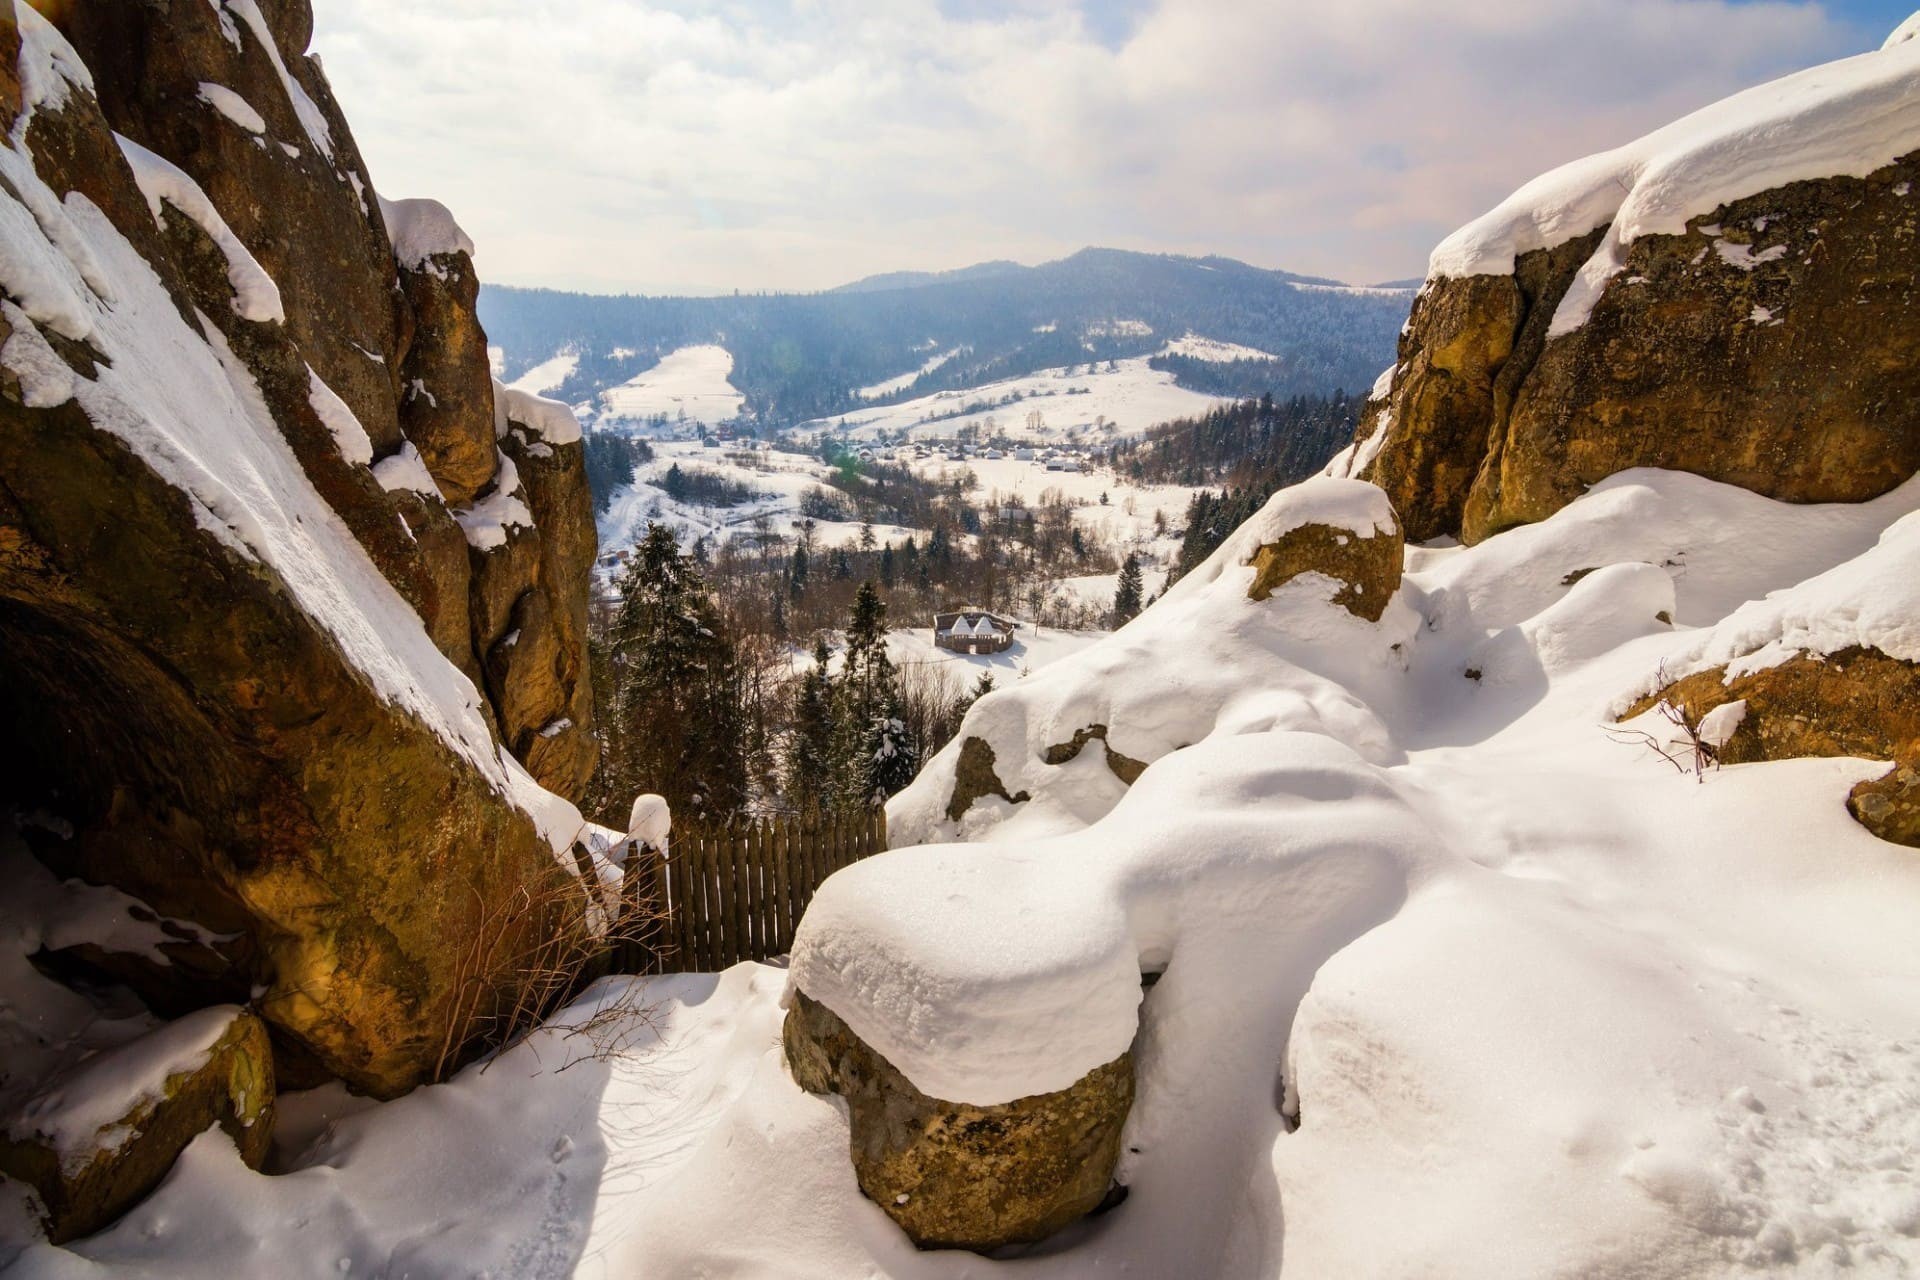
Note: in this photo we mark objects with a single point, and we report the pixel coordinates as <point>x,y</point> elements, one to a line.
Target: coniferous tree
<point>873,756</point>
<point>1126,597</point>
<point>676,708</point>
<point>797,574</point>
<point>810,741</point>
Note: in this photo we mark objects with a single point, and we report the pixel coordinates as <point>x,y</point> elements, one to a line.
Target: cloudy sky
<point>671,146</point>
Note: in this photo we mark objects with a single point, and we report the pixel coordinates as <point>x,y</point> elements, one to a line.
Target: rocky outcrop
<point>1857,702</point>
<point>249,457</point>
<point>958,1176</point>
<point>975,778</point>
<point>1367,569</point>
<point>1462,355</point>
<point>1773,344</point>
<point>95,1140</point>
<point>445,385</point>
<point>1123,767</point>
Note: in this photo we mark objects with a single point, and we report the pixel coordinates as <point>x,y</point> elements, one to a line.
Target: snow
<point>551,420</point>
<point>421,230</point>
<point>1131,398</point>
<point>486,522</point>
<point>1352,290</point>
<point>906,379</point>
<point>61,913</point>
<point>48,65</point>
<point>348,434</point>
<point>548,374</point>
<point>1359,508</point>
<point>689,382</point>
<point>231,105</point>
<point>1871,601</point>
<point>1718,725</point>
<point>1195,347</point>
<point>1451,983</point>
<point>1118,329</point>
<point>79,1113</point>
<point>255,296</point>
<point>650,822</point>
<point>312,119</point>
<point>1844,118</point>
<point>780,487</point>
<point>405,469</point>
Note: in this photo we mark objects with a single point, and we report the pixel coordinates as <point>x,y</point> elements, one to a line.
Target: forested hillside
<point>801,356</point>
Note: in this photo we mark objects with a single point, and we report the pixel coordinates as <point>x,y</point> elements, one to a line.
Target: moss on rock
<point>959,1176</point>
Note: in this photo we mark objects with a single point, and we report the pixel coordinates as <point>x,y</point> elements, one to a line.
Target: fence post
<point>782,883</point>
<point>710,898</point>
<point>757,898</point>
<point>737,861</point>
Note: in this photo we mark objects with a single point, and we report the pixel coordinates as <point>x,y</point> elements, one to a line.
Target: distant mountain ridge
<point>803,356</point>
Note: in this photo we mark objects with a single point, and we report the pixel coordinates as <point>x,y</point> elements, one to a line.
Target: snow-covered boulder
<point>1830,667</point>
<point>96,1138</point>
<point>958,1176</point>
<point>1730,295</point>
<point>1340,529</point>
<point>1291,624</point>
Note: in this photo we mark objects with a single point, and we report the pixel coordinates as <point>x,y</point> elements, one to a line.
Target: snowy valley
<point>1468,827</point>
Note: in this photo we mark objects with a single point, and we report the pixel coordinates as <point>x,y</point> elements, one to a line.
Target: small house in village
<point>972,631</point>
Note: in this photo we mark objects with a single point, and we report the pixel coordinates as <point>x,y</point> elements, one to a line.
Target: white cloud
<point>644,145</point>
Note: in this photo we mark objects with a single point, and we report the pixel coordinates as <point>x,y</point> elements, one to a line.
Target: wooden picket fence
<point>736,892</point>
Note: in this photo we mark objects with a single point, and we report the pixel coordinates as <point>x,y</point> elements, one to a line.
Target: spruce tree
<point>676,708</point>
<point>797,574</point>
<point>1126,597</point>
<point>873,757</point>
<point>810,741</point>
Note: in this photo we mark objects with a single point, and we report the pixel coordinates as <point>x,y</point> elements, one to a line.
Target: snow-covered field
<point>777,508</point>
<point>689,384</point>
<point>548,374</point>
<point>1079,400</point>
<point>1125,521</point>
<point>905,380</point>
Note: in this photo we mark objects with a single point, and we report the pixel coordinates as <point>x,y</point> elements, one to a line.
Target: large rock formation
<point>1733,296</point>
<point>290,603</point>
<point>959,1176</point>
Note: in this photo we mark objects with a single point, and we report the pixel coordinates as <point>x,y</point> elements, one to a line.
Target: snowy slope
<point>1080,399</point>
<point>778,489</point>
<point>688,384</point>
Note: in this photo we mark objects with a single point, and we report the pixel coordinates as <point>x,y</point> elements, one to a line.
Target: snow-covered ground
<point>1196,347</point>
<point>548,374</point>
<point>776,508</point>
<point>1455,984</point>
<point>1079,400</point>
<point>907,379</point>
<point>689,384</point>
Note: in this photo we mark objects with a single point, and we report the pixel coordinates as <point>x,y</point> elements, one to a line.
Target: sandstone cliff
<point>1733,295</point>
<point>292,595</point>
